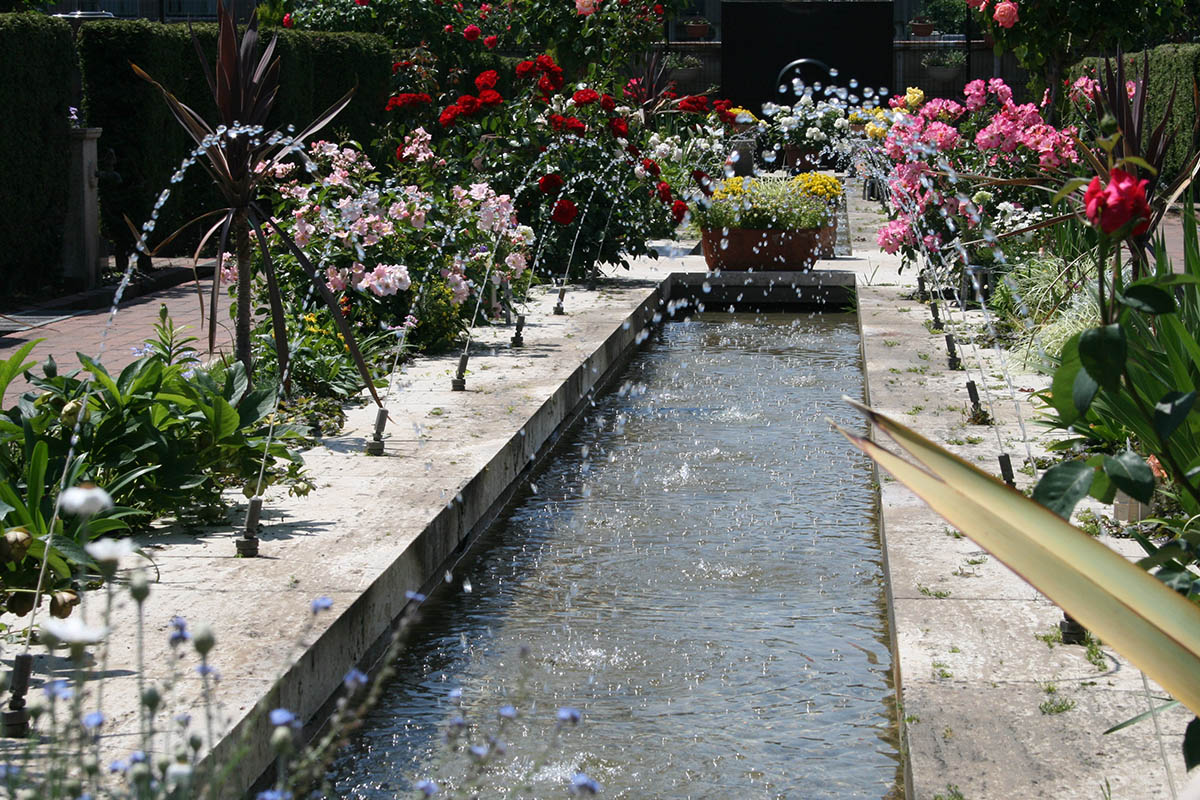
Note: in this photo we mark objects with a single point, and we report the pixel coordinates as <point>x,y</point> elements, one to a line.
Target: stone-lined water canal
<point>698,571</point>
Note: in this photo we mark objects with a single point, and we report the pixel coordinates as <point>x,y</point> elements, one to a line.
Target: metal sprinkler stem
<point>16,717</point>
<point>973,393</point>
<point>459,382</point>
<point>375,446</point>
<point>558,307</point>
<point>952,359</point>
<point>517,339</point>
<point>247,544</point>
<point>922,295</point>
<point>937,320</point>
<point>1006,470</point>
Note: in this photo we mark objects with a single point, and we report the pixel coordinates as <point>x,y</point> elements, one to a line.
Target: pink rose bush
<point>387,247</point>
<point>930,145</point>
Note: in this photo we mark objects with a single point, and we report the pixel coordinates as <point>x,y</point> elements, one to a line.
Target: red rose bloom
<point>486,80</point>
<point>658,9</point>
<point>470,33</point>
<point>545,62</point>
<point>289,22</point>
<point>490,97</point>
<point>550,183</point>
<point>546,84</point>
<point>575,125</point>
<point>632,149</point>
<point>651,167</point>
<point>704,181</point>
<point>406,99</point>
<point>564,212</point>
<point>679,210</point>
<point>448,116</point>
<point>619,127</point>
<point>361,2</point>
<point>608,102</point>
<point>664,191</point>
<point>1123,200</point>
<point>448,29</point>
<point>468,104</point>
<point>491,42</point>
<point>694,103</point>
<point>525,69</point>
<point>585,97</point>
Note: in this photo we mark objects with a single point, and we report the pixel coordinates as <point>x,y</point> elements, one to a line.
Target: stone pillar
<point>81,230</point>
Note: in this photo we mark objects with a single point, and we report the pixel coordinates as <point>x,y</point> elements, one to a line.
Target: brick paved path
<point>133,324</point>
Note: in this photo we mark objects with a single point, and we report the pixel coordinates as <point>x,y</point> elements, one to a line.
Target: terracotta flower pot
<point>696,30</point>
<point>765,250</point>
<point>803,159</point>
<point>921,28</point>
<point>827,239</point>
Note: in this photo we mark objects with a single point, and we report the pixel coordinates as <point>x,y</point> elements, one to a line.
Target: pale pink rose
<point>1005,14</point>
<point>585,8</point>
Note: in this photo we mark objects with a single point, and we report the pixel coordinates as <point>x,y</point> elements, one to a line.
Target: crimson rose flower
<point>564,212</point>
<point>490,97</point>
<point>487,80</point>
<point>491,42</point>
<point>619,127</point>
<point>525,69</point>
<point>664,191</point>
<point>288,21</point>
<point>608,102</point>
<point>585,97</point>
<point>468,104</point>
<point>694,103</point>
<point>550,183</point>
<point>651,167</point>
<point>470,33</point>
<point>448,116</point>
<point>1121,201</point>
<point>679,210</point>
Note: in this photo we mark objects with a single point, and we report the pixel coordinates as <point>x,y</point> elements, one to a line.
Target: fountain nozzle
<point>375,446</point>
<point>558,307</point>
<point>517,339</point>
<point>16,717</point>
<point>247,543</point>
<point>459,382</point>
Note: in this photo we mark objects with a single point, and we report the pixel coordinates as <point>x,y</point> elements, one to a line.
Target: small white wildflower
<point>84,500</point>
<point>72,630</point>
<point>110,551</point>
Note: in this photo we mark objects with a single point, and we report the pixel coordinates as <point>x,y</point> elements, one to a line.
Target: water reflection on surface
<point>697,570</point>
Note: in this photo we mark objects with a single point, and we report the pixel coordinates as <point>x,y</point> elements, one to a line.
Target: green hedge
<point>144,145</point>
<point>1171,66</point>
<point>36,56</point>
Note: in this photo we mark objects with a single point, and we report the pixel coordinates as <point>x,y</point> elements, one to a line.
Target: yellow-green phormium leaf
<point>1148,623</point>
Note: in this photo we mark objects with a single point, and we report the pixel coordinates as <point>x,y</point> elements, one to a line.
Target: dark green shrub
<point>1172,66</point>
<point>144,145</point>
<point>36,54</point>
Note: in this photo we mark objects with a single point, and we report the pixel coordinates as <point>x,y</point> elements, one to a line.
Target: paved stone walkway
<point>134,322</point>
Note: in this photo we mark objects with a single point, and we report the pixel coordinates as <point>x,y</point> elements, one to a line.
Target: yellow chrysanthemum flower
<point>913,97</point>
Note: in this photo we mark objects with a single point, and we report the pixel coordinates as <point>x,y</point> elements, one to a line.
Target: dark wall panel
<point>759,37</point>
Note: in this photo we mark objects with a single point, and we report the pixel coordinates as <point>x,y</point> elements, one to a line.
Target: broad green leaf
<point>102,377</point>
<point>1176,279</point>
<point>1063,486</point>
<point>1102,353</point>
<point>1148,299</point>
<point>35,482</point>
<point>15,364</point>
<point>1069,187</point>
<point>1152,626</point>
<point>1131,474</point>
<point>1062,388</point>
<point>223,419</point>
<point>1103,489</point>
<point>1171,411</point>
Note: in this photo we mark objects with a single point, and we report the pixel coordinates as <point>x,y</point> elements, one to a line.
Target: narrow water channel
<point>698,571</point>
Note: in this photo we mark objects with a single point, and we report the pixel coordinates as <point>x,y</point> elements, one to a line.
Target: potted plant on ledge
<point>944,64</point>
<point>763,223</point>
<point>697,28</point>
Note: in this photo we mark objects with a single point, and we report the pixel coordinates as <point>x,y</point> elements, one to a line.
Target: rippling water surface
<point>697,571</point>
